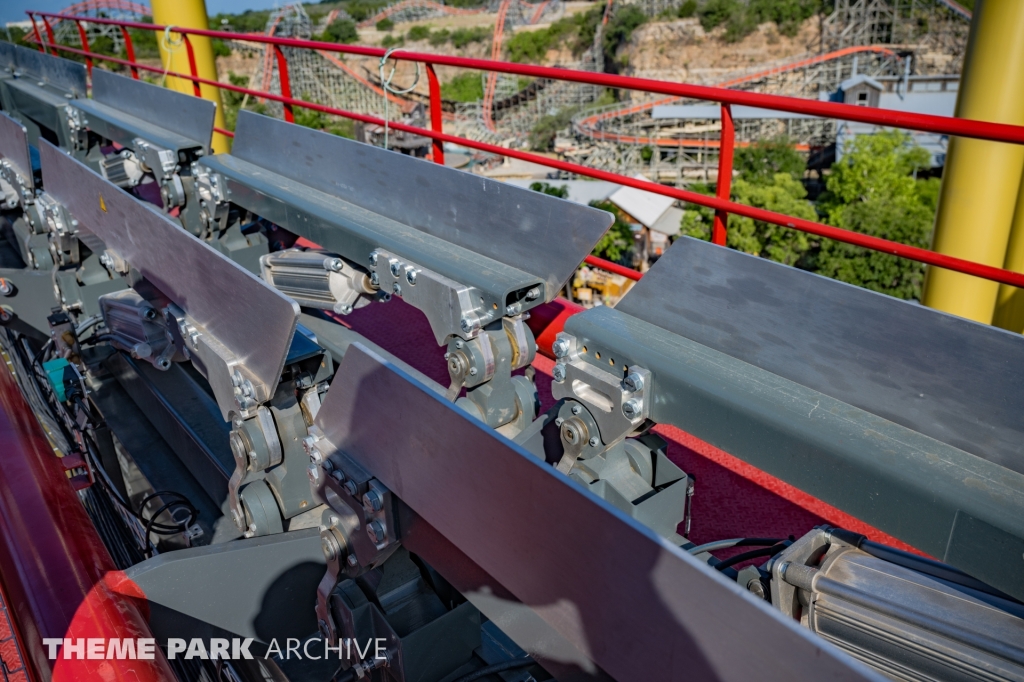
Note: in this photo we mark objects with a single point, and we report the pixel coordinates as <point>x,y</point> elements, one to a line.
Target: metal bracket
<point>618,403</point>
<point>452,309</point>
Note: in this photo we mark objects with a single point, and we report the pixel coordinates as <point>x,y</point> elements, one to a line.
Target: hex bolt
<point>560,348</point>
<point>533,294</point>
<point>631,408</point>
<point>594,441</point>
<point>338,476</point>
<point>467,325</point>
<point>558,373</point>
<point>374,279</point>
<point>576,409</point>
<point>308,444</point>
<point>634,382</point>
<point>513,309</point>
<point>6,288</point>
<point>559,421</point>
<point>373,501</point>
<point>410,277</point>
<point>373,259</point>
<point>336,264</point>
<point>352,560</point>
<point>473,371</point>
<point>314,474</point>
<point>397,289</point>
<point>375,529</point>
<point>351,488</point>
<point>396,267</point>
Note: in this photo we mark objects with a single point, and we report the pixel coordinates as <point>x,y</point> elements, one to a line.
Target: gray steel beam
<point>528,231</point>
<point>122,109</point>
<point>954,380</point>
<point>640,608</point>
<point>34,65</point>
<point>949,503</point>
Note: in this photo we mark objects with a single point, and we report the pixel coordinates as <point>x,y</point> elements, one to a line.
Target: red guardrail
<point>727,98</point>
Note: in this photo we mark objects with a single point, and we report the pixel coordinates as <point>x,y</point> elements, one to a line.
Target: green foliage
<point>544,188</point>
<point>783,194</point>
<point>647,153</point>
<point>617,242</point>
<point>143,42</point>
<point>340,31</point>
<point>759,162</point>
<point>542,137</point>
<point>466,87</point>
<point>619,30</point>
<point>740,19</point>
<point>461,37</point>
<point>873,191</point>
<point>232,100</point>
<point>385,24</point>
<point>220,48</point>
<point>418,33</point>
<point>16,35</point>
<point>249,21</point>
<point>392,41</point>
<point>361,10</point>
<point>687,9</point>
<point>439,37</point>
<point>576,31</point>
<point>317,120</point>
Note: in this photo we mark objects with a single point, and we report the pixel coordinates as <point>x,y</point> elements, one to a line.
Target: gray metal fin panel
<point>640,607</point>
<point>538,234</point>
<point>188,116</point>
<point>14,147</point>
<point>8,56</point>
<point>60,73</point>
<point>957,381</point>
<point>254,321</point>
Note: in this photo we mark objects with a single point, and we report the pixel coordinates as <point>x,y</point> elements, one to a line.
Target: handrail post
<point>85,46</point>
<point>435,113</point>
<point>129,50</point>
<point>197,91</point>
<point>724,183</point>
<point>286,85</point>
<point>49,34</point>
<point>39,37</point>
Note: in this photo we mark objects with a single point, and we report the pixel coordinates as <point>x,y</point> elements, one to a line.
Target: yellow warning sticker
<point>103,204</point>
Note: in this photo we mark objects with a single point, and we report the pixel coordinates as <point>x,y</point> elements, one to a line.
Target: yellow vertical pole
<point>981,179</point>
<point>190,14</point>
<point>1010,303</point>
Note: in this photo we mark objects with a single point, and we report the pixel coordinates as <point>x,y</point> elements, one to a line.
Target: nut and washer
<point>631,408</point>
<point>375,529</point>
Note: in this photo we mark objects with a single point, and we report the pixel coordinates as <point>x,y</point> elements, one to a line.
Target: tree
<point>616,244</point>
<point>759,162</point>
<point>544,188</point>
<point>784,194</point>
<point>873,190</point>
<point>341,31</point>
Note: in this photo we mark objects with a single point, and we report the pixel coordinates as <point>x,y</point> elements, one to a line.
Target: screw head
<point>576,409</point>
<point>410,277</point>
<point>395,268</point>
<point>314,474</point>
<point>594,441</point>
<point>558,373</point>
<point>634,382</point>
<point>375,529</point>
<point>6,288</point>
<point>352,560</point>
<point>472,371</point>
<point>513,309</point>
<point>397,289</point>
<point>337,475</point>
<point>467,325</point>
<point>373,501</point>
<point>373,259</point>
<point>533,294</point>
<point>631,408</point>
<point>351,488</point>
<point>560,348</point>
<point>336,264</point>
<point>374,279</point>
<point>559,421</point>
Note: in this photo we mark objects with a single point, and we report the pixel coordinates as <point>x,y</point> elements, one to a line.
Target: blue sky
<point>14,10</point>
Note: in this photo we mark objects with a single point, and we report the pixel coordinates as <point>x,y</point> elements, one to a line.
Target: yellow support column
<point>981,179</point>
<point>190,14</point>
<point>1010,304</point>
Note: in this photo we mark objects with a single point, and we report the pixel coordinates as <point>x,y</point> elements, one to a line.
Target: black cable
<point>752,554</point>
<point>497,668</point>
